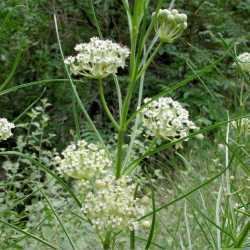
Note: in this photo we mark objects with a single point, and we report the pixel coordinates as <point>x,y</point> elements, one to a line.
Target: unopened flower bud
<point>199,136</point>
<point>169,24</point>
<point>146,224</point>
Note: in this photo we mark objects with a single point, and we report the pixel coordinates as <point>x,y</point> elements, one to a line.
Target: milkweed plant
<point>112,200</point>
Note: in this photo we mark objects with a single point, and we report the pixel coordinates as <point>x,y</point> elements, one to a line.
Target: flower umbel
<point>167,119</point>
<point>97,59</point>
<point>243,124</point>
<point>169,24</point>
<point>112,206</point>
<point>83,161</point>
<point>5,129</point>
<point>243,61</point>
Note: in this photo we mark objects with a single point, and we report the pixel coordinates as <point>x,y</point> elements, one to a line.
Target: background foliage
<point>29,52</point>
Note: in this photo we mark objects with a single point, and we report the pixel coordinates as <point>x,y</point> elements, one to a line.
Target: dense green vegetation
<point>200,190</point>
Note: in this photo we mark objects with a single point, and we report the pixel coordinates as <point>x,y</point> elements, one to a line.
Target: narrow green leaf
<point>184,195</point>
<point>187,227</point>
<point>35,83</point>
<point>152,228</point>
<point>95,19</point>
<point>139,10</point>
<point>132,240</point>
<point>58,219</point>
<point>243,234</point>
<point>13,69</point>
<point>152,243</point>
<point>29,234</point>
<point>30,106</point>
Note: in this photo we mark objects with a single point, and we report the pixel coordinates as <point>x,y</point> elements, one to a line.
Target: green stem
<point>123,122</point>
<point>105,106</point>
<point>151,58</point>
<point>77,124</point>
<point>119,94</point>
<point>123,119</point>
<point>95,19</point>
<point>132,240</point>
<point>134,75</point>
<point>119,155</point>
<point>242,85</point>
<point>107,241</point>
<point>136,124</point>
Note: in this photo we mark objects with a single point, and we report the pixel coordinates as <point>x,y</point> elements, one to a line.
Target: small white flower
<point>83,161</point>
<point>169,24</point>
<point>243,61</point>
<point>5,129</point>
<point>111,206</point>
<point>166,118</point>
<point>97,59</point>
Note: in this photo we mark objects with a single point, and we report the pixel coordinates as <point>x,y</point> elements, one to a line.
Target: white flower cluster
<point>5,129</point>
<point>112,206</point>
<point>243,61</point>
<point>243,124</point>
<point>169,24</point>
<point>167,119</point>
<point>97,59</point>
<point>83,161</point>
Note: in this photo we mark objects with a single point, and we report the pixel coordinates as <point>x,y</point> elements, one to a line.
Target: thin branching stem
<point>105,105</point>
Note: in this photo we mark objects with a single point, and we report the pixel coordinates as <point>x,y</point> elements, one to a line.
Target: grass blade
<point>95,19</point>
<point>132,240</point>
<point>185,195</point>
<point>28,234</point>
<point>152,228</point>
<point>217,216</point>
<point>187,227</point>
<point>58,219</point>
<point>35,83</point>
<point>30,106</point>
<point>13,70</point>
<point>243,235</point>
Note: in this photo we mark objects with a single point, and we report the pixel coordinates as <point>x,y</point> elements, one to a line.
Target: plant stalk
<point>105,106</point>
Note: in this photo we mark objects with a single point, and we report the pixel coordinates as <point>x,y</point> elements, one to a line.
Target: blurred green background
<point>29,52</point>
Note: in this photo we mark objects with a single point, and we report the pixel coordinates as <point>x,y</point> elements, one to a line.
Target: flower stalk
<point>104,104</point>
